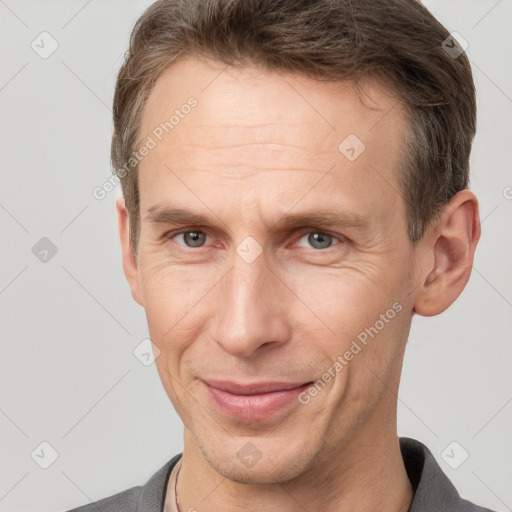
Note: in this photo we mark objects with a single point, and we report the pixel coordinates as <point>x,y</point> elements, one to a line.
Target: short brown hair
<point>399,42</point>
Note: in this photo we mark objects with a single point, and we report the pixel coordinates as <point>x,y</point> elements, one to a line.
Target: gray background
<point>69,325</point>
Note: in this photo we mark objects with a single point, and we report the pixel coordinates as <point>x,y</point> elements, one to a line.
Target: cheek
<point>363,317</point>
<point>173,296</point>
<point>345,299</point>
<point>167,284</point>
<point>173,299</point>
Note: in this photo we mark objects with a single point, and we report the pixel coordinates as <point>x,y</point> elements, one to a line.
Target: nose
<point>251,309</point>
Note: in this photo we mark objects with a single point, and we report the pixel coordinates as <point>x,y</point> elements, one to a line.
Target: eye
<point>191,238</point>
<point>318,240</point>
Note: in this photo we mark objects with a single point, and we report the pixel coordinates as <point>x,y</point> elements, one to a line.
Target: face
<point>290,245</point>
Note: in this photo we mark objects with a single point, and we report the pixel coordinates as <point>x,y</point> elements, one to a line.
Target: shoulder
<point>149,496</point>
<point>467,506</point>
<point>127,501</point>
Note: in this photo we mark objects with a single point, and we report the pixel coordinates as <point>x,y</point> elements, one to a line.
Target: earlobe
<point>130,266</point>
<point>452,244</point>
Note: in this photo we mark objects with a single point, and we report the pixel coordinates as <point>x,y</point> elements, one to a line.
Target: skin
<point>259,145</point>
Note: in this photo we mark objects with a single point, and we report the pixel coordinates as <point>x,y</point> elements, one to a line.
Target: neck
<point>364,474</point>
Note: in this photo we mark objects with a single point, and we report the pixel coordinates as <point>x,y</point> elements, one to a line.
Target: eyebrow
<point>329,218</point>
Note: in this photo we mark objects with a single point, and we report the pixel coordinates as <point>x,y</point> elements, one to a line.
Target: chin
<point>258,461</point>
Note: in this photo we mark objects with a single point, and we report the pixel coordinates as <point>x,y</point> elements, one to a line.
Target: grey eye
<point>318,240</point>
<point>193,238</point>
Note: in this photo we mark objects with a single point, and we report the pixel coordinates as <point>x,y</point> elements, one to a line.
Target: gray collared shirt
<point>433,491</point>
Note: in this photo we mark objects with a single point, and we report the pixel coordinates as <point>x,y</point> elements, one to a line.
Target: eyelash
<point>170,235</point>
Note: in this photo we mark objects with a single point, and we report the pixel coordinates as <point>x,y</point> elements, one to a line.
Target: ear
<point>451,245</point>
<point>130,267</point>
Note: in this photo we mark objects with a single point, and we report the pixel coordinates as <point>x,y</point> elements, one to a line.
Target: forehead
<point>253,129</point>
<point>242,98</point>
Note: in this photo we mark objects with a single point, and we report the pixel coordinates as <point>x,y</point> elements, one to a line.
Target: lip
<point>253,401</point>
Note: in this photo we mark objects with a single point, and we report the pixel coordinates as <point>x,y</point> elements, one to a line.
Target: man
<point>295,189</point>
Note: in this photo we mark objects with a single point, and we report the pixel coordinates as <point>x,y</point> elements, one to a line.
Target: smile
<point>252,401</point>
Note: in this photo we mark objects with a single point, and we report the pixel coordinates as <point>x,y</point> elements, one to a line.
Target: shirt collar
<point>152,496</point>
<point>433,491</point>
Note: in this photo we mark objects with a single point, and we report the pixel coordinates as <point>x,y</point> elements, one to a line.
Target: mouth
<point>253,401</point>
